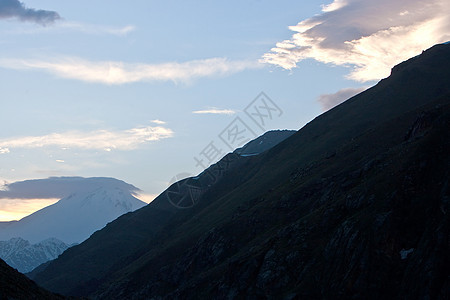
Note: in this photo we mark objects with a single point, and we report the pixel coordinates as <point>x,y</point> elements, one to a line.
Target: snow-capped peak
<point>75,217</point>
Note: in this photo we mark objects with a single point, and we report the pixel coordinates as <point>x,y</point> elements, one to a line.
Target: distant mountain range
<point>45,234</point>
<point>353,206</point>
<point>23,256</point>
<point>74,218</point>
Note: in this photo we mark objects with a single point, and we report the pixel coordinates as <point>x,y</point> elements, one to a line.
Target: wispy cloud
<point>64,27</point>
<point>214,110</point>
<point>97,29</point>
<point>369,36</point>
<point>16,9</point>
<point>4,150</point>
<point>328,101</point>
<point>159,122</point>
<point>114,72</point>
<point>95,140</point>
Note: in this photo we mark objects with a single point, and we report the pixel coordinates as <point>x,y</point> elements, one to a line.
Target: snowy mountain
<point>96,202</point>
<point>23,256</point>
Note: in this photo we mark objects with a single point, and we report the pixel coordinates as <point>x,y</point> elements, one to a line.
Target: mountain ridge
<point>24,256</point>
<point>264,142</point>
<point>324,214</point>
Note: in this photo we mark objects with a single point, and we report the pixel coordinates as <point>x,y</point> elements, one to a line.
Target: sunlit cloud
<point>16,9</point>
<point>4,150</point>
<point>368,36</point>
<point>337,4</point>
<point>95,140</point>
<point>216,111</point>
<point>328,101</point>
<point>114,72</point>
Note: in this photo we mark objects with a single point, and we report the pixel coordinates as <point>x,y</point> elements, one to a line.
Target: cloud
<point>16,9</point>
<point>328,101</point>
<point>113,72</point>
<point>59,187</point>
<point>98,29</point>
<point>4,150</point>
<point>21,198</point>
<point>159,122</point>
<point>96,140</point>
<point>214,110</point>
<point>367,35</point>
<point>65,26</point>
<point>335,5</point>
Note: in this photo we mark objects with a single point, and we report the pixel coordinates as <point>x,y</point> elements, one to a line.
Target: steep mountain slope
<point>14,285</point>
<point>354,205</point>
<point>264,142</point>
<point>23,256</point>
<point>75,217</point>
<point>89,261</point>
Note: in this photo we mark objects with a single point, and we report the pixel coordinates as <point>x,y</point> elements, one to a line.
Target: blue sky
<point>136,90</point>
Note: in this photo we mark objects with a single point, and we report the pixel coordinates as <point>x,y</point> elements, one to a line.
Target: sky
<point>144,91</point>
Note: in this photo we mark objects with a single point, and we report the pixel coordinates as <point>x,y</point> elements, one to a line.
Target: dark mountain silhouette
<point>131,230</point>
<point>354,205</point>
<point>264,142</point>
<point>14,285</point>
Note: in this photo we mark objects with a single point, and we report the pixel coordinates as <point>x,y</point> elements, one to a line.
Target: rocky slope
<point>264,142</point>
<point>112,245</point>
<point>354,205</point>
<point>14,285</point>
